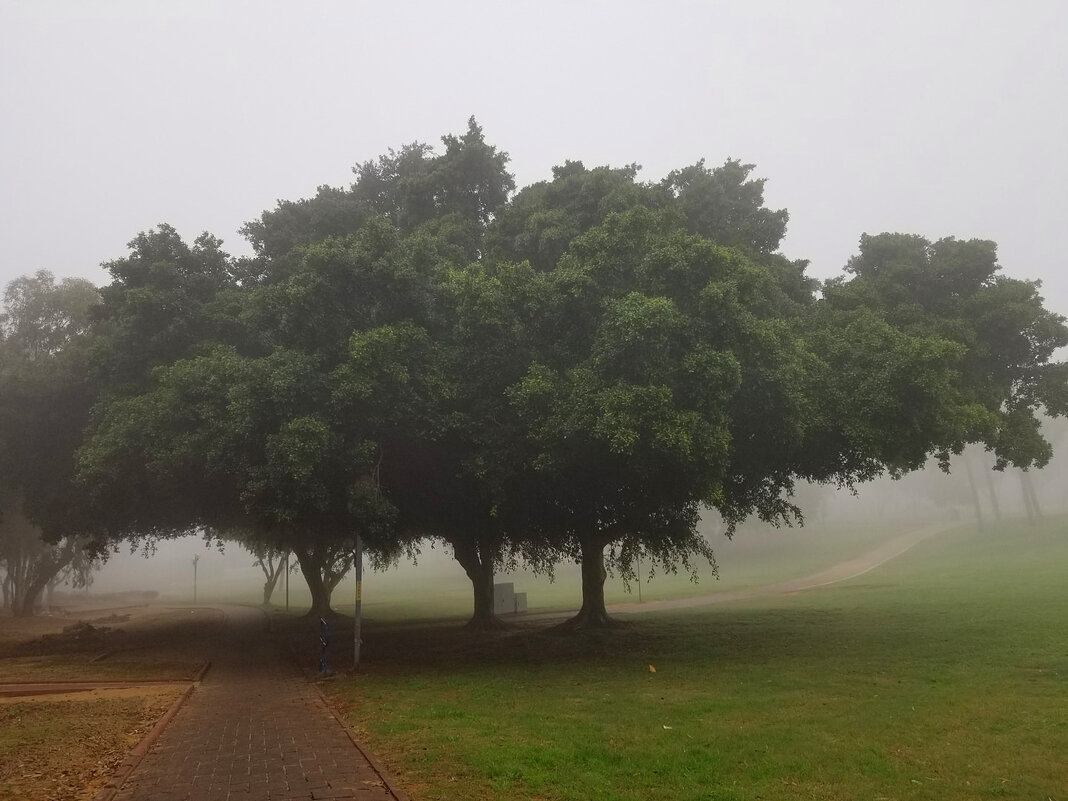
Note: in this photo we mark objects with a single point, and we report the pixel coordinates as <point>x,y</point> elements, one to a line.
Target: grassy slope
<point>942,675</point>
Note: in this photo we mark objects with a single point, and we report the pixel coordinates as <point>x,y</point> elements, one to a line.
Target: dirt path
<point>253,729</point>
<point>843,571</point>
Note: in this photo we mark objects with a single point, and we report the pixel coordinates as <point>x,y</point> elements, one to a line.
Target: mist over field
<point>945,121</point>
<point>839,525</point>
<point>552,295</point>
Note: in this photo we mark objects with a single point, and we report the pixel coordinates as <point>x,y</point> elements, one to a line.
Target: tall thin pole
<point>196,559</point>
<point>358,560</point>
<point>287,581</point>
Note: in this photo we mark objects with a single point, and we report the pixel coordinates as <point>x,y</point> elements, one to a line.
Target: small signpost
<point>358,560</point>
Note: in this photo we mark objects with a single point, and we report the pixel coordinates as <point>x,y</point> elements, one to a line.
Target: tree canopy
<point>575,370</point>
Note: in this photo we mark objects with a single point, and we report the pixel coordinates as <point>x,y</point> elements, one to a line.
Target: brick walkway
<point>254,730</point>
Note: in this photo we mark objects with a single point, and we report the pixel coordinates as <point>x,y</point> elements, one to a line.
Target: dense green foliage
<point>574,370</point>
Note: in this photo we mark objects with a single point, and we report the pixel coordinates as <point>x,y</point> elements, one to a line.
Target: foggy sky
<point>943,118</point>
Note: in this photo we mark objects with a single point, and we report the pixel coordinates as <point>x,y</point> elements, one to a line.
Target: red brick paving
<point>254,730</point>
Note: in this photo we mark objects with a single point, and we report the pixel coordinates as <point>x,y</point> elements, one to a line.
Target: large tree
<point>577,370</point>
<point>660,356</point>
<point>459,448</point>
<point>342,373</point>
<point>46,524</point>
<point>312,360</point>
<point>952,294</point>
<point>679,362</point>
<point>199,424</point>
<point>380,292</point>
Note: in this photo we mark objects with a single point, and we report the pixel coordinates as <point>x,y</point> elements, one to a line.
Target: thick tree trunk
<point>27,605</point>
<point>18,574</point>
<point>43,573</point>
<point>320,600</point>
<point>330,584</point>
<point>593,613</point>
<point>479,569</point>
<point>311,566</point>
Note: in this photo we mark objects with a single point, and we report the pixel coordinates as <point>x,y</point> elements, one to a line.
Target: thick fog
<point>944,119</point>
<point>936,119</point>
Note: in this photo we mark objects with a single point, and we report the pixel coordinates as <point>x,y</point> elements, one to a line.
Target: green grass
<point>941,675</point>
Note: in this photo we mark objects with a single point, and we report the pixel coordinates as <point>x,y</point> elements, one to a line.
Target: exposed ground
<point>64,745</point>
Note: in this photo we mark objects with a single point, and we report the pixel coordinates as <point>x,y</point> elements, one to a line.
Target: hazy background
<point>945,118</point>
<point>839,526</point>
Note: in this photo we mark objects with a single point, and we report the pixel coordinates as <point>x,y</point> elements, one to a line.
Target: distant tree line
<point>572,371</point>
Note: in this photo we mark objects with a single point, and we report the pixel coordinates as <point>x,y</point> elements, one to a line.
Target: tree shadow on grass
<point>717,636</point>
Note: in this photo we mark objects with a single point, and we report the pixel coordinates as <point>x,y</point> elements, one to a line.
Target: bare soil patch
<point>143,643</point>
<point>64,747</point>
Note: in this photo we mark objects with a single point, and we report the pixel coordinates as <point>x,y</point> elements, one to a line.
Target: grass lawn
<point>941,675</point>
